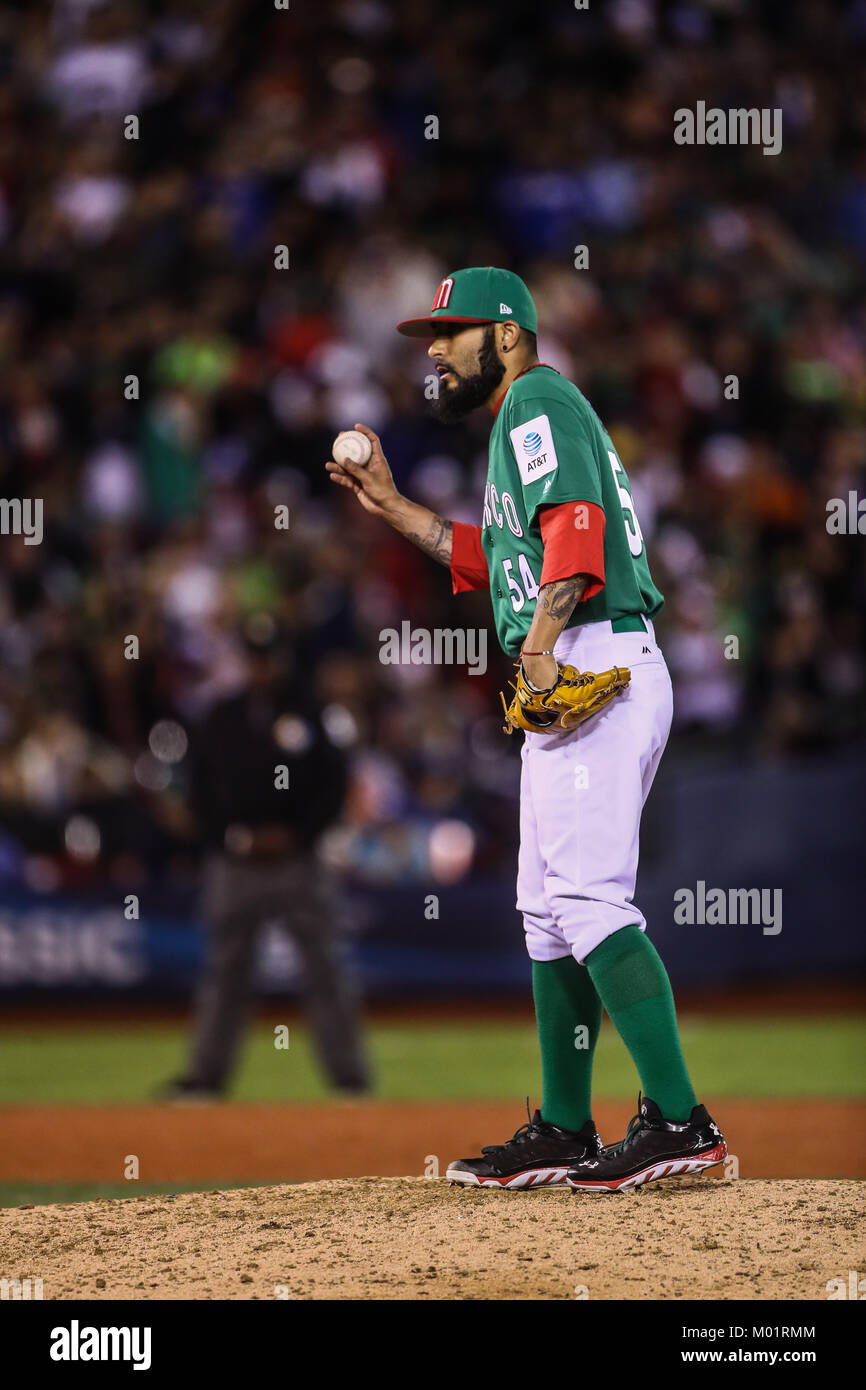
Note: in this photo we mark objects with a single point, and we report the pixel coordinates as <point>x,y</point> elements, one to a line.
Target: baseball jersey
<point>548,447</point>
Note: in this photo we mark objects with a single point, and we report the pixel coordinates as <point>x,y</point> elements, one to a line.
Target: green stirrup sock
<point>633,984</point>
<point>565,1001</point>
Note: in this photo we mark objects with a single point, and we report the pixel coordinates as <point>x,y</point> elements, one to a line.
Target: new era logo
<point>505,308</point>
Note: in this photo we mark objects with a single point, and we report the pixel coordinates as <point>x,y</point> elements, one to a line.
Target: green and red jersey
<point>557,502</point>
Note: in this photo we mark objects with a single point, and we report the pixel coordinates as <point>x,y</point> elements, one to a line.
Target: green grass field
<point>433,1060</point>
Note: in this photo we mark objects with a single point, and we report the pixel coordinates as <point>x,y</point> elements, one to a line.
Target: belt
<point>633,622</point>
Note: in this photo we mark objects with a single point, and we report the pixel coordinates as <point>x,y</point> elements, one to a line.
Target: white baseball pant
<point>581,798</point>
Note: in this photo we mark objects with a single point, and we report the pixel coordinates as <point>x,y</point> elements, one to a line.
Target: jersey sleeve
<point>572,534</point>
<point>553,447</point>
<point>468,561</point>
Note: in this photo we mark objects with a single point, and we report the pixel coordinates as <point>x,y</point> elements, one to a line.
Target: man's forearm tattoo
<point>558,600</point>
<point>436,540</point>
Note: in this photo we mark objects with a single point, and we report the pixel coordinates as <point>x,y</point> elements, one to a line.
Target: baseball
<point>351,446</point>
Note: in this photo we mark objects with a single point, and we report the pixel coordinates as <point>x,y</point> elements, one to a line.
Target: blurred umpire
<point>261,866</point>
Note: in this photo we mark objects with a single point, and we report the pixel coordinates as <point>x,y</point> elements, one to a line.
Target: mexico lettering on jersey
<point>548,447</point>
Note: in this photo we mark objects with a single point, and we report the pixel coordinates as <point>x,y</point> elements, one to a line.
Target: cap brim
<point>426,328</point>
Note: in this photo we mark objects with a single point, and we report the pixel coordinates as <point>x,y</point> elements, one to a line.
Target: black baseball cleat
<point>652,1148</point>
<point>537,1155</point>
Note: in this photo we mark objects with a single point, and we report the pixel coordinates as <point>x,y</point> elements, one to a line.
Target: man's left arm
<point>573,571</point>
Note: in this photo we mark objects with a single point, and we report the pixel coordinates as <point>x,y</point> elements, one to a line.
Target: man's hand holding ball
<point>351,446</point>
<point>358,463</point>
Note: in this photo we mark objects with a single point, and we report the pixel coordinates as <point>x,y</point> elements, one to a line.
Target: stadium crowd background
<point>306,128</point>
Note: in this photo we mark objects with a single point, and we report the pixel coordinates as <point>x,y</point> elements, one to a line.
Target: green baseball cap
<point>481,294</point>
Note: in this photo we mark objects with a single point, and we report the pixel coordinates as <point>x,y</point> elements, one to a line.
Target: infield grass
<point>441,1060</point>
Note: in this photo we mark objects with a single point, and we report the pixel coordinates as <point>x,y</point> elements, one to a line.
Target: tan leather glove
<point>576,697</point>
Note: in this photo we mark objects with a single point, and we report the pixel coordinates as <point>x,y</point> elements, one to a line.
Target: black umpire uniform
<point>261,866</point>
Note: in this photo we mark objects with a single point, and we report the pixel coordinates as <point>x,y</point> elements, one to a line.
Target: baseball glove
<point>576,697</point>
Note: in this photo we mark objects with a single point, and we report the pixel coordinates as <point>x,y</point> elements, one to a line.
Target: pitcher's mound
<point>393,1238</point>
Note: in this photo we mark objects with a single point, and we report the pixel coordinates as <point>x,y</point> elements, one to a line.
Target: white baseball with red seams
<point>351,446</point>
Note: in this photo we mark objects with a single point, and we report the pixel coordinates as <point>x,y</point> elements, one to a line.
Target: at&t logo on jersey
<point>533,448</point>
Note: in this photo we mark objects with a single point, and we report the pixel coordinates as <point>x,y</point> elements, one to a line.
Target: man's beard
<point>470,392</point>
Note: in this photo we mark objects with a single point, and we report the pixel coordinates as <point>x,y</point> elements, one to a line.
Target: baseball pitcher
<point>560,549</point>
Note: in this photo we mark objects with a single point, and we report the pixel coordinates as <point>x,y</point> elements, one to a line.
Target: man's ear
<point>509,335</point>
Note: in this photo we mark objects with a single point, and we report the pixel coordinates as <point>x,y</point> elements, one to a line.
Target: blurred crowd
<point>165,386</point>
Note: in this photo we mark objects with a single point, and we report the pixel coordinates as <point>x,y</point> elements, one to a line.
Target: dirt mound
<point>411,1238</point>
